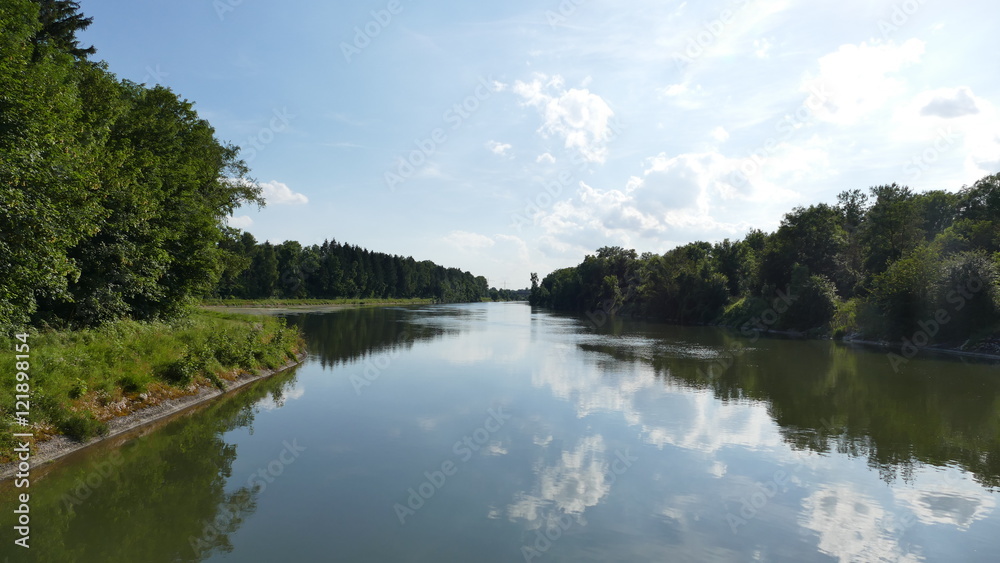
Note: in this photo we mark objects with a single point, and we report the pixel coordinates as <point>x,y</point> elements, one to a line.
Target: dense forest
<point>886,264</point>
<point>113,198</point>
<point>290,270</point>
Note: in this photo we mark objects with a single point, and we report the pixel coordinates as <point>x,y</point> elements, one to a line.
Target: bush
<point>78,389</point>
<point>903,293</point>
<point>132,383</point>
<point>82,426</point>
<point>234,350</point>
<point>185,369</point>
<point>845,318</point>
<point>967,290</point>
<point>815,305</point>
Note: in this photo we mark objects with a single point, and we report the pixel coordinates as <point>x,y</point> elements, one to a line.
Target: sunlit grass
<point>81,379</point>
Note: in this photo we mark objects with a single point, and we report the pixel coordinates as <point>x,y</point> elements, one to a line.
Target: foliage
<point>968,289</point>
<point>112,195</point>
<point>882,263</point>
<point>333,270</point>
<point>60,20</point>
<point>82,374</point>
<point>815,301</point>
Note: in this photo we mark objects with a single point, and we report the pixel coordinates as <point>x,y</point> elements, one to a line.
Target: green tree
<point>157,245</point>
<point>60,20</point>
<point>812,237</point>
<point>903,292</point>
<point>978,210</point>
<point>48,181</point>
<point>968,289</point>
<point>891,227</point>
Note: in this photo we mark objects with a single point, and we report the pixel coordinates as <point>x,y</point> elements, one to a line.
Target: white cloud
<point>270,404</point>
<point>950,104</point>
<point>581,118</point>
<point>277,193</point>
<point>496,448</point>
<point>464,240</point>
<point>498,148</point>
<point>857,80</point>
<point>242,222</point>
<point>570,486</point>
<point>720,134</point>
<point>946,498</point>
<point>946,127</point>
<point>852,526</point>
<point>547,158</point>
<point>677,197</point>
<point>701,424</point>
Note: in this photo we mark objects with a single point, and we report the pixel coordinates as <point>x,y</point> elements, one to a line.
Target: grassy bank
<point>81,379</point>
<point>275,303</point>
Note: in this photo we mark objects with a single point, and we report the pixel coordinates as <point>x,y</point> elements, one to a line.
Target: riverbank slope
<point>86,385</point>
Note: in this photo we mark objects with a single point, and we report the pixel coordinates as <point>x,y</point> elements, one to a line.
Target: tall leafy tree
<point>812,237</point>
<point>891,227</point>
<point>48,177</point>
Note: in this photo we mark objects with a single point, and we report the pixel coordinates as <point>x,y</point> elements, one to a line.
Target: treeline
<point>887,263</point>
<point>111,193</point>
<point>333,270</point>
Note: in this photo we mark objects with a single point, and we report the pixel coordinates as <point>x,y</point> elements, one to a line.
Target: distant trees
<point>882,263</point>
<point>334,270</point>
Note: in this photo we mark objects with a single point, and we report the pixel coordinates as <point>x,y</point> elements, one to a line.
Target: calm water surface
<point>496,433</point>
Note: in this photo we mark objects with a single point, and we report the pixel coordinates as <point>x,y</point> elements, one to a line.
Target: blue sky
<point>511,137</point>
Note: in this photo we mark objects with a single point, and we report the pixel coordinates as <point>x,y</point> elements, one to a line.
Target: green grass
<point>308,302</point>
<point>80,379</point>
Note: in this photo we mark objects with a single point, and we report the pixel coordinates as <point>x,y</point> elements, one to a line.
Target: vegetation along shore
<point>84,380</point>
<point>889,265</point>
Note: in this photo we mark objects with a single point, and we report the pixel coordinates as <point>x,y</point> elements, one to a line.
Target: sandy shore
<point>61,446</point>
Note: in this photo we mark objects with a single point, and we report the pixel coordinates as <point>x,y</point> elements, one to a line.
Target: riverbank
<point>88,384</point>
<point>60,446</point>
<point>284,306</point>
<point>292,303</point>
<point>986,350</point>
<point>758,316</point>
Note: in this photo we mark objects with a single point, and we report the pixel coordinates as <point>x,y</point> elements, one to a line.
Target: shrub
<point>903,293</point>
<point>82,426</point>
<point>967,290</point>
<point>183,370</point>
<point>815,305</point>
<point>132,383</point>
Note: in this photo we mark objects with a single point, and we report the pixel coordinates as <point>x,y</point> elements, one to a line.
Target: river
<point>494,432</point>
